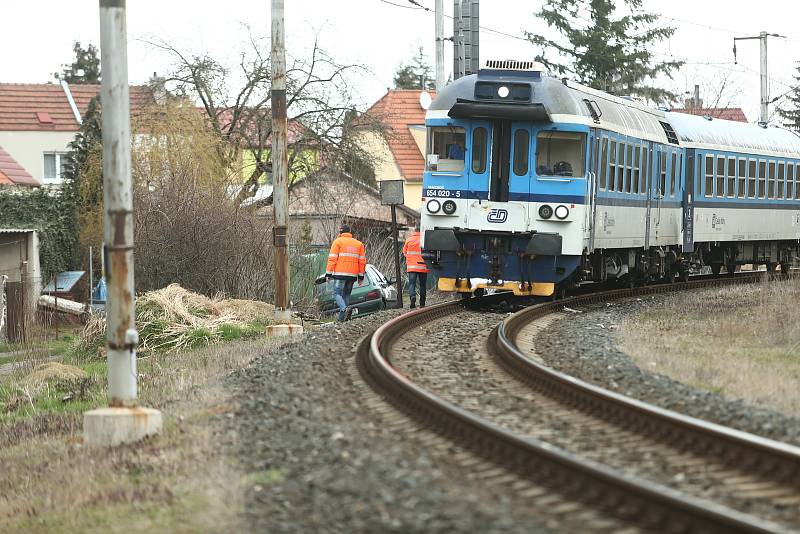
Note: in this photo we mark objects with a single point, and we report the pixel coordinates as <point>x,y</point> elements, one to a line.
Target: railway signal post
<point>123,421</point>
<point>392,194</point>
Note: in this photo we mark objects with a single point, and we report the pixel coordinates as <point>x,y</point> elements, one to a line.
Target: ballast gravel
<point>317,459</point>
<point>584,345</point>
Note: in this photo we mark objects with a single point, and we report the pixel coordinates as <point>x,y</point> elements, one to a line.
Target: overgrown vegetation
<point>742,341</point>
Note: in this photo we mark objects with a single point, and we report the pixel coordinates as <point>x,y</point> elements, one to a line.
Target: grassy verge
<point>177,481</point>
<point>743,342</point>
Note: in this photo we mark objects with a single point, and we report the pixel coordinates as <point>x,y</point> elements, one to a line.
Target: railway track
<point>752,473</point>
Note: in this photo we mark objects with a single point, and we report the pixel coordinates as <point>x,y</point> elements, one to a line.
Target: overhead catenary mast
<point>466,31</point>
<point>762,37</point>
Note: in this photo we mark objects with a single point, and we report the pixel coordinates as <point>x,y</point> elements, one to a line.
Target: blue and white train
<point>534,184</point>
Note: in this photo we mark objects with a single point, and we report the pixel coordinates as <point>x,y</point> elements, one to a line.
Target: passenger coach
<point>534,184</point>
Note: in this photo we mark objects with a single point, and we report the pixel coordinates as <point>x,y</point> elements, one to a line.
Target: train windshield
<point>560,153</point>
<point>446,149</point>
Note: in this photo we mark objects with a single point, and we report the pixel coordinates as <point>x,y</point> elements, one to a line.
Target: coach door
<point>595,160</point>
<point>654,196</point>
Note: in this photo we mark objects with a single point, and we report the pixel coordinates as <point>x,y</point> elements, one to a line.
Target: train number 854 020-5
<point>442,193</point>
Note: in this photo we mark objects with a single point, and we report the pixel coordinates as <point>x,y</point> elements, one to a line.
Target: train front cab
<point>511,212</point>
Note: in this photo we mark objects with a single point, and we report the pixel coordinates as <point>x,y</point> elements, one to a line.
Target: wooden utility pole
<point>280,164</point>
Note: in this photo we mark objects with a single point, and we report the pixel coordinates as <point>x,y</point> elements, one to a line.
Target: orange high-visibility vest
<point>347,258</point>
<point>413,253</point>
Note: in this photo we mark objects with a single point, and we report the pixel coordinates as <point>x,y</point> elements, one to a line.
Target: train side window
<point>797,182</point>
<point>709,189</point>
<point>603,163</point>
<point>771,179</point>
<point>521,144</point>
<point>742,177</point>
<point>560,153</point>
<point>637,176</point>
<point>629,169</point>
<point>643,172</point>
<point>662,160</point>
<point>620,183</point>
<point>751,178</point>
<point>478,151</point>
<point>762,179</point>
<point>780,179</point>
<point>612,165</point>
<point>790,181</point>
<point>720,190</point>
<point>446,148</point>
<point>731,192</point>
<point>675,174</point>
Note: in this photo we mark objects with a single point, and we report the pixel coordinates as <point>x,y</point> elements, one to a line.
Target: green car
<point>376,293</point>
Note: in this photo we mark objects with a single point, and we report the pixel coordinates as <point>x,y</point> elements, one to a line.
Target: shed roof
<point>63,281</point>
<point>44,106</point>
<point>12,173</point>
<point>397,110</point>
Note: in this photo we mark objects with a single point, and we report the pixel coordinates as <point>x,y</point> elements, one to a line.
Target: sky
<point>37,38</point>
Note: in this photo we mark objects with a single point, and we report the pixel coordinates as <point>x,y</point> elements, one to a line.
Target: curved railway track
<point>747,467</point>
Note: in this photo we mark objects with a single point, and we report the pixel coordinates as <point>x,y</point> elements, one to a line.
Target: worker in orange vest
<point>416,268</point>
<point>347,261</point>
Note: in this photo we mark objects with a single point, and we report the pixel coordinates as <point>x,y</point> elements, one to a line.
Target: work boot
<point>413,303</point>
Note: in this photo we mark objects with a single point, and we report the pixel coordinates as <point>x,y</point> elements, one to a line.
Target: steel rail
<point>779,461</point>
<point>626,497</point>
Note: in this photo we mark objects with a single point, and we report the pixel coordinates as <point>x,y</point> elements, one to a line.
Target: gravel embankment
<point>319,461</point>
<point>585,345</point>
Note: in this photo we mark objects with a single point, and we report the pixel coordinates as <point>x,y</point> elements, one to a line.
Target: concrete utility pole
<point>439,45</point>
<point>280,176</point>
<point>764,118</point>
<point>123,421</point>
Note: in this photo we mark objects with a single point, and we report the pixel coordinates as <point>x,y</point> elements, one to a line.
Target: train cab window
<point>762,179</point>
<point>771,179</point>
<point>751,178</point>
<point>602,163</point>
<point>731,177</point>
<point>446,149</point>
<point>790,181</point>
<point>479,140</point>
<point>742,177</point>
<point>675,174</point>
<point>560,153</point>
<point>521,149</point>
<point>720,190</point>
<point>662,187</point>
<point>709,181</point>
<point>780,179</point>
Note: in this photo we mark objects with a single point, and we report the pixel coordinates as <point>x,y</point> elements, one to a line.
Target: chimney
<point>159,89</point>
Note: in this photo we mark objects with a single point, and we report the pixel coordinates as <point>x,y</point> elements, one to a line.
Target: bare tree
<point>319,101</point>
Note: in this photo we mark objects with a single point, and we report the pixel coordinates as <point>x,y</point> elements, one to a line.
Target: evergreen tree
<point>85,68</point>
<point>415,75</point>
<point>606,50</point>
<point>790,111</point>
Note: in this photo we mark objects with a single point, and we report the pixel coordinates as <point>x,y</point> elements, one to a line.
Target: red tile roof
<point>397,110</point>
<point>12,173</point>
<point>728,114</point>
<point>21,105</point>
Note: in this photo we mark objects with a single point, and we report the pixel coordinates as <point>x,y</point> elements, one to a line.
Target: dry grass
<point>742,341</point>
<point>178,481</point>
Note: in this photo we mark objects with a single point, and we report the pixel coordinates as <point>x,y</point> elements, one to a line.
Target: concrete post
<point>280,177</point>
<point>122,421</point>
<point>439,45</point>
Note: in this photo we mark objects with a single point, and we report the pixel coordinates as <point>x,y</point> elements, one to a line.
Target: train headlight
<point>562,212</point>
<point>545,211</point>
<point>449,207</point>
<point>433,206</point>
<point>502,91</point>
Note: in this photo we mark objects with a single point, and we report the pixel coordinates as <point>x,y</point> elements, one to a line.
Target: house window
<point>54,166</point>
<point>446,149</point>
